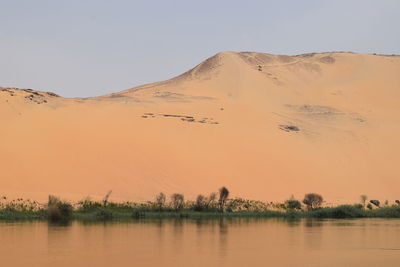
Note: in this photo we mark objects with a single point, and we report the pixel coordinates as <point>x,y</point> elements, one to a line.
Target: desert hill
<point>266,126</point>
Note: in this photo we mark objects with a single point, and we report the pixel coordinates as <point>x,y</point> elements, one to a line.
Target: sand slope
<point>265,126</point>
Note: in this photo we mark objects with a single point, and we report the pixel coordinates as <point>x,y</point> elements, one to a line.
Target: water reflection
<point>223,237</point>
<point>215,242</point>
<point>308,222</point>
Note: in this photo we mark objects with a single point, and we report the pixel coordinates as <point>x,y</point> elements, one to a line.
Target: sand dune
<point>266,126</point>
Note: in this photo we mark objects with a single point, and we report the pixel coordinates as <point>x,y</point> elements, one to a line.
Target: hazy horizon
<point>81,49</point>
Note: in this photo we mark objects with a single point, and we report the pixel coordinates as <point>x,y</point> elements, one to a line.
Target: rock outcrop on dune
<point>266,126</point>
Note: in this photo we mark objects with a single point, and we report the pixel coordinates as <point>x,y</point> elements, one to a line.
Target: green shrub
<point>292,214</point>
<point>292,204</point>
<point>359,206</point>
<point>386,212</point>
<point>339,212</point>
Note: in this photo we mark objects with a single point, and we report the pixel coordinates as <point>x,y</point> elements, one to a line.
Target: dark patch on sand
<point>8,91</point>
<point>37,97</point>
<point>52,94</point>
<point>289,128</point>
<point>185,118</point>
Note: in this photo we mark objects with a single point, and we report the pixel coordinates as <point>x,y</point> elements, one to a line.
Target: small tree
<point>223,196</point>
<point>375,202</point>
<point>58,210</point>
<point>177,201</point>
<point>292,204</point>
<point>200,203</point>
<point>160,200</point>
<point>363,199</point>
<point>313,201</point>
<point>210,200</point>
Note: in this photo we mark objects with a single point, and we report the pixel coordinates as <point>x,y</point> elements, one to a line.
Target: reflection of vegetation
<point>202,208</point>
<point>309,222</point>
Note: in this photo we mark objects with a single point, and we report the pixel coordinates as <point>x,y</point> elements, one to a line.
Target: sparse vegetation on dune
<point>57,210</point>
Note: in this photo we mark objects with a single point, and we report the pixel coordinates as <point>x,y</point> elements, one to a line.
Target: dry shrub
<point>58,210</point>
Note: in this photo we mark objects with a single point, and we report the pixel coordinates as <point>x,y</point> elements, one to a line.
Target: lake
<point>215,242</point>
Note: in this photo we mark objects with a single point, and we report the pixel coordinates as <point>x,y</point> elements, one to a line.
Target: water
<point>221,242</point>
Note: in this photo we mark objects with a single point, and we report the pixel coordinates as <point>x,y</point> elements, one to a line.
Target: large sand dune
<point>265,126</point>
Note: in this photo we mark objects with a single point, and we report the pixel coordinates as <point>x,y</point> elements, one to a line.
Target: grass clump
<point>385,212</point>
<point>339,212</point>
<point>20,209</point>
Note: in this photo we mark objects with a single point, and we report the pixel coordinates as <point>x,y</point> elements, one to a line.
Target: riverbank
<point>126,212</point>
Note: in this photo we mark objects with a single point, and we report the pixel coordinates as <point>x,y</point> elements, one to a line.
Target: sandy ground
<point>265,126</point>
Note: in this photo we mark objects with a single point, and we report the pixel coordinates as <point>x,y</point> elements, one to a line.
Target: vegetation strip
<point>212,206</point>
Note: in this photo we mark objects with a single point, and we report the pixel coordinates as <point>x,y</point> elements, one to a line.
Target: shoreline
<point>97,211</point>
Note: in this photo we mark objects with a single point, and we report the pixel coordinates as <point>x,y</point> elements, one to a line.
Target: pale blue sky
<point>80,48</point>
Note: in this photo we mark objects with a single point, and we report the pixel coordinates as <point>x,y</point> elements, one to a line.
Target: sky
<point>82,48</point>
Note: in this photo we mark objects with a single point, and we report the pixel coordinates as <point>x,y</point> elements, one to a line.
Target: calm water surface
<point>221,242</point>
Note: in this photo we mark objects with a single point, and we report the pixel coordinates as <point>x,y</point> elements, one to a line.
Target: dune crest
<point>266,126</point>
